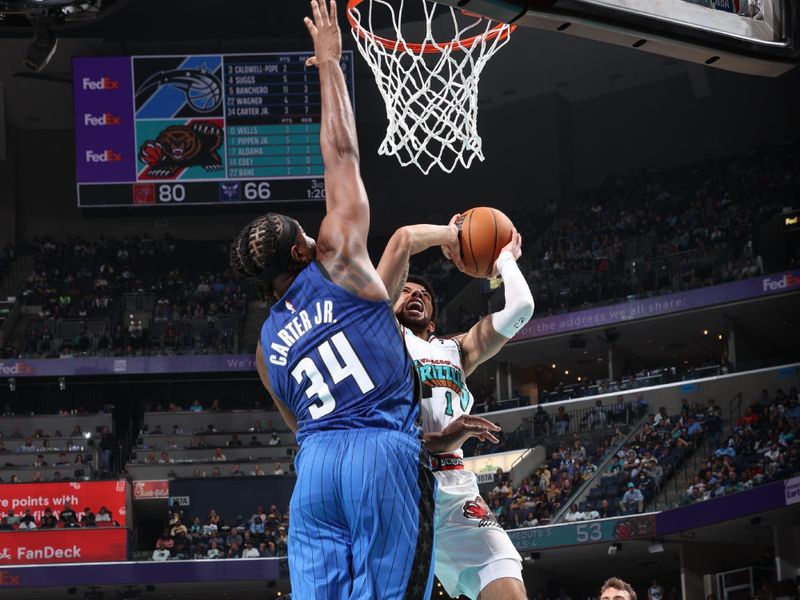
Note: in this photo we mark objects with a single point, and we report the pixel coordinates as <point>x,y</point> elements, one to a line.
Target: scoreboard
<point>198,129</point>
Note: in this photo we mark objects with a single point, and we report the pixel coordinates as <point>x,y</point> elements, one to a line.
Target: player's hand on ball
<point>452,250</point>
<point>324,30</point>
<point>464,427</point>
<point>514,247</point>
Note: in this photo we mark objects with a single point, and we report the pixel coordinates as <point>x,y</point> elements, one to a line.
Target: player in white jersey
<point>473,555</point>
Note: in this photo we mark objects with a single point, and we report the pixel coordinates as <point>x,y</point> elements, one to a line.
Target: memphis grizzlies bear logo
<point>179,146</point>
<point>478,509</point>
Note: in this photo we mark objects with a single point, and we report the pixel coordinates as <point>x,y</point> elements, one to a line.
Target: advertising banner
<point>78,494</point>
<point>63,546</point>
<point>660,305</point>
<point>143,573</point>
<point>749,502</point>
<point>156,489</point>
<point>792,490</point>
<point>587,532</point>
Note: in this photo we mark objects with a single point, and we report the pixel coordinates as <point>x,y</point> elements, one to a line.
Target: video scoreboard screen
<point>198,129</point>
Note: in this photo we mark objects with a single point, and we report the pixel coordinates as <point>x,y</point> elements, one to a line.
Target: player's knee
<point>505,588</point>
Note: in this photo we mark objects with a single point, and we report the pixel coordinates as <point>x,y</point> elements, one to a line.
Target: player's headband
<point>283,251</point>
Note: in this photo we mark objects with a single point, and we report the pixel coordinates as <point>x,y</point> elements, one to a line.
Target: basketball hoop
<point>430,87</point>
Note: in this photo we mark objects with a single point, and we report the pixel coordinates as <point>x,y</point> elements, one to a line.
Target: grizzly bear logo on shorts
<point>478,509</point>
<point>181,146</point>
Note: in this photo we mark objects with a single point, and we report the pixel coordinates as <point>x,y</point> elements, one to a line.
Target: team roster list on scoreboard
<point>198,129</point>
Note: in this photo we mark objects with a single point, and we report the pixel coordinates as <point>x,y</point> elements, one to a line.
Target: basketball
<point>483,233</point>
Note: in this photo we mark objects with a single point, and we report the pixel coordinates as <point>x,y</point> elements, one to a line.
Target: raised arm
<point>490,334</point>
<point>404,243</point>
<point>346,224</point>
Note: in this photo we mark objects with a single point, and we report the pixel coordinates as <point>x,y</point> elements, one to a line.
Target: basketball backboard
<point>756,37</point>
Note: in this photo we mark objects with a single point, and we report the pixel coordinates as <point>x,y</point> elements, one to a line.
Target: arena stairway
<point>583,492</point>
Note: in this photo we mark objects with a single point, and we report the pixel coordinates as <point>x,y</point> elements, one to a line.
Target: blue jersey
<point>338,361</point>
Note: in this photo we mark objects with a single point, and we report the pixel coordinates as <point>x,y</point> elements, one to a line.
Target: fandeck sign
<point>79,495</point>
<point>62,546</point>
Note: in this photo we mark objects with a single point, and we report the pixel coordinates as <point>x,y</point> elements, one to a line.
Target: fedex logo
<point>104,83</point>
<point>19,368</point>
<point>786,282</point>
<point>106,156</point>
<point>103,120</point>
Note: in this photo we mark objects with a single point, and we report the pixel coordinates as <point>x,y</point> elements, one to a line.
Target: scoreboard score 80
<point>198,129</point>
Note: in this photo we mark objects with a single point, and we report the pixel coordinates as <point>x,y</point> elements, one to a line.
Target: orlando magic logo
<point>202,90</point>
<point>175,87</point>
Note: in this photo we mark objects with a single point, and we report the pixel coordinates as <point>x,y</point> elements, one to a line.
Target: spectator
<point>4,525</point>
<point>236,471</point>
<point>103,515</point>
<point>249,551</point>
<point>196,406</point>
<point>257,471</point>
<point>218,455</point>
<point>617,589</point>
<point>13,519</point>
<point>562,421</point>
<point>88,518</point>
<point>165,542</point>
<point>574,514</point>
<point>68,516</point>
<point>254,442</point>
<point>234,442</point>
<point>213,551</point>
<point>274,440</point>
<point>633,500</point>
<point>655,591</point>
<point>278,469</point>
<point>49,520</point>
<point>27,521</point>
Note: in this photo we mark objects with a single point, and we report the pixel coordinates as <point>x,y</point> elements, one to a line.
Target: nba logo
<point>230,192</point>
<point>144,193</point>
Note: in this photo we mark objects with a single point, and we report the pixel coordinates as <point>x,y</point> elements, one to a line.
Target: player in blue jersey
<point>332,356</point>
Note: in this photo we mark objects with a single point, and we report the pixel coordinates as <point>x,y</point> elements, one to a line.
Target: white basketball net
<point>430,87</point>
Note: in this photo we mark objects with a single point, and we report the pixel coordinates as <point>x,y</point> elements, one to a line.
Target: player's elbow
<point>523,306</point>
<point>402,240</point>
<point>527,306</point>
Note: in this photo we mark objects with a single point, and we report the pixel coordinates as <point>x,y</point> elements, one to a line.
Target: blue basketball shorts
<point>361,517</point>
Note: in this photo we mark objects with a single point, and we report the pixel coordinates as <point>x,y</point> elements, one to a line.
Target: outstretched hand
<point>324,30</point>
<point>459,431</point>
<point>452,251</point>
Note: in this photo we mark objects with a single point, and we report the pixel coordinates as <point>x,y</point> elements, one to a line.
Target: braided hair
<point>262,251</point>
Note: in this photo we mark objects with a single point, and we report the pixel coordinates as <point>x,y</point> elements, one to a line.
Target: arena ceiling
<point>534,63</point>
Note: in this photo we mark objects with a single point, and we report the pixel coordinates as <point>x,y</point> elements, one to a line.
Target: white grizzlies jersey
<point>445,396</point>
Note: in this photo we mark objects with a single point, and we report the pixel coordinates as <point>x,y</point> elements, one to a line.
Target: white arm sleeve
<point>519,301</point>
